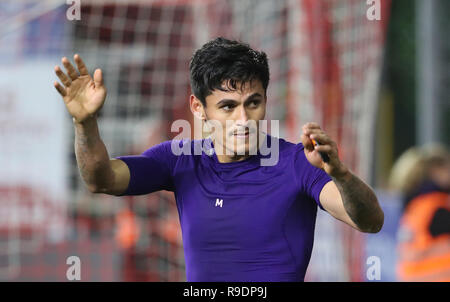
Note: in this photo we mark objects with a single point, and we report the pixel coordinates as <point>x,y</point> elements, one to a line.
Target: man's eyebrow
<point>225,101</point>
<point>255,95</point>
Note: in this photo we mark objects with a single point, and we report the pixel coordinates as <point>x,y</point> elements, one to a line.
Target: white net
<point>337,58</point>
<point>324,58</point>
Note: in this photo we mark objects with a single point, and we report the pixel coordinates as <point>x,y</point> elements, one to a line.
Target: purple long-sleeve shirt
<point>240,221</point>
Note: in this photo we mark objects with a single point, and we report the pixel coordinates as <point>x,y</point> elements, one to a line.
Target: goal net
<point>325,62</point>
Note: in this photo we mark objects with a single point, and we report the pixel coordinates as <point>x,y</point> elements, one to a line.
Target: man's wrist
<point>341,174</point>
<point>87,121</point>
<point>87,125</point>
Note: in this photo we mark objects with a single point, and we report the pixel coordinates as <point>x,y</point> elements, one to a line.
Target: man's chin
<point>245,150</point>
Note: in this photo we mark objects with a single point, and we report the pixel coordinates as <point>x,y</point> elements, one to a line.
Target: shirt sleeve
<point>151,171</point>
<point>310,179</point>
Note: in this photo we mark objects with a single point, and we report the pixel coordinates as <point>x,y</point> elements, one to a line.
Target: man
<point>240,220</point>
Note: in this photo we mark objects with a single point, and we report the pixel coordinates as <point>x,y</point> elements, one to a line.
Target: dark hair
<point>222,60</point>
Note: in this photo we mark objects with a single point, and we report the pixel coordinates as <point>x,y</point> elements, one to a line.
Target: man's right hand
<point>83,95</point>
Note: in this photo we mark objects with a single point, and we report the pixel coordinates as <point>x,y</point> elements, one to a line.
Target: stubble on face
<point>237,112</point>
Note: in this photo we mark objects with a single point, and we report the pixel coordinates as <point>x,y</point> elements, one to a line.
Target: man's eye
<point>254,103</point>
<point>227,107</point>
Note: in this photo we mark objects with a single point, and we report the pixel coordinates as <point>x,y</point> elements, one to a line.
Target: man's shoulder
<point>286,146</point>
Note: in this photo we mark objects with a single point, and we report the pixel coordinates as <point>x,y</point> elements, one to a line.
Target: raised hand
<point>83,95</point>
<point>333,166</point>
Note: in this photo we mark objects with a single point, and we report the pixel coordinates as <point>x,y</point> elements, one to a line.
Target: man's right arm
<point>83,97</point>
<point>100,173</point>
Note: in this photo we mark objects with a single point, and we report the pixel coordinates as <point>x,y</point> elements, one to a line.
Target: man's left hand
<point>334,167</point>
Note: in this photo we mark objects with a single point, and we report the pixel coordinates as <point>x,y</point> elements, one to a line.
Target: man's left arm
<point>347,197</point>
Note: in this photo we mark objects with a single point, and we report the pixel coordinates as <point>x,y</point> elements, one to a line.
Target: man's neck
<point>223,157</point>
<point>231,158</point>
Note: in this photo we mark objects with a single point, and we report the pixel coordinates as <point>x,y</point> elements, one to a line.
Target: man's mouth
<point>243,134</point>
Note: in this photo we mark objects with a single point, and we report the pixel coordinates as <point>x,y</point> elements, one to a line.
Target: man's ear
<point>196,107</point>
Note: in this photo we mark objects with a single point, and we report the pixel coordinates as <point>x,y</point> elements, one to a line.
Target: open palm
<point>83,95</point>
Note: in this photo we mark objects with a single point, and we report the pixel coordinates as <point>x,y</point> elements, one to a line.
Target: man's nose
<point>242,118</point>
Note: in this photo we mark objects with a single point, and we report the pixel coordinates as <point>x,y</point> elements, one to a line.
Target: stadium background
<point>377,87</point>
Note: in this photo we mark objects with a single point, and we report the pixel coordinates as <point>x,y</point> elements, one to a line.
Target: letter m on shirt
<point>219,202</point>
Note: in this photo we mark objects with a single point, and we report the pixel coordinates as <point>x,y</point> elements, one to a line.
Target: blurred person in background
<point>422,176</point>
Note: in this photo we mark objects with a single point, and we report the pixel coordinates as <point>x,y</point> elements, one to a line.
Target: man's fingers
<point>309,131</point>
<point>311,125</point>
<point>311,128</point>
<point>323,148</point>
<point>307,142</point>
<point>60,89</point>
<point>98,78</point>
<point>321,138</point>
<point>81,66</point>
<point>73,74</point>
<point>62,76</point>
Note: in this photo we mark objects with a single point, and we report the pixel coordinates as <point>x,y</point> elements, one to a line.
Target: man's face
<point>238,113</point>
